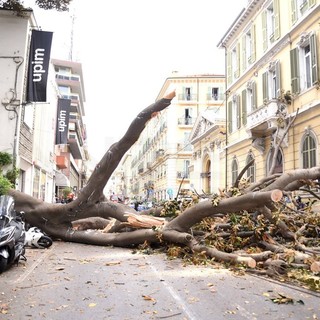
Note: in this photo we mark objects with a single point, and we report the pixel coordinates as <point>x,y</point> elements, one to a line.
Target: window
<point>251,170</point>
<point>186,165</point>
<point>187,93</point>
<point>234,113</point>
<point>248,100</point>
<point>234,171</point>
<point>270,24</point>
<point>233,63</point>
<point>236,61</point>
<point>215,93</point>
<point>187,116</point>
<point>304,64</point>
<point>308,152</point>
<point>248,48</point>
<point>278,168</point>
<point>299,8</point>
<point>271,82</point>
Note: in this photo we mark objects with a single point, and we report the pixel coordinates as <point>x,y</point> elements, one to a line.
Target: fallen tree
<point>253,225</point>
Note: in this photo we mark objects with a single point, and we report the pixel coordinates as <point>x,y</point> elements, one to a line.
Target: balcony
<point>187,97</point>
<point>75,147</point>
<point>215,97</point>
<point>159,154</point>
<point>61,162</point>
<point>262,121</point>
<point>186,121</point>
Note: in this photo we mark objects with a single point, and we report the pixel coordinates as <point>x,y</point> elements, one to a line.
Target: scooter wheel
<point>3,264</point>
<point>44,242</point>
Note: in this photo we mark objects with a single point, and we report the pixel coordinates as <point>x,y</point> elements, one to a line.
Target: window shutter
<point>264,30</point>
<point>238,112</point>
<point>229,68</point>
<point>276,19</point>
<point>254,96</point>
<point>314,57</point>
<point>294,15</point>
<point>278,80</point>
<point>230,116</point>
<point>244,106</point>
<point>294,65</point>
<point>244,53</point>
<point>238,60</point>
<point>265,94</point>
<point>253,44</point>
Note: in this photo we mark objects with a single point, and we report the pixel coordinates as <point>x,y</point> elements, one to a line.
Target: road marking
<point>173,293</point>
<point>34,265</point>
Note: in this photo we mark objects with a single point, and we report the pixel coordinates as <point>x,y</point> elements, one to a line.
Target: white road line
<point>34,265</point>
<point>173,293</point>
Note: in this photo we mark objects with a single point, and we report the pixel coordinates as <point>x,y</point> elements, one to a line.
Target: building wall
<point>253,126</point>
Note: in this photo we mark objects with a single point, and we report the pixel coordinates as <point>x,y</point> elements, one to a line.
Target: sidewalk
<point>75,281</point>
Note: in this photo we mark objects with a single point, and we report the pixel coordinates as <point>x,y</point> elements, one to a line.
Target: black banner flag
<point>39,58</point>
<point>63,121</point>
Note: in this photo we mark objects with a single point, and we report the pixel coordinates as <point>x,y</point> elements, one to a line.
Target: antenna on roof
<point>71,37</point>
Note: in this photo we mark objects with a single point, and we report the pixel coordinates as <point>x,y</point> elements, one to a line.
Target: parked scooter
<point>12,233</point>
<point>35,238</point>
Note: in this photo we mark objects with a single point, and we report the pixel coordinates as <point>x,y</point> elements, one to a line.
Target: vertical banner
<point>39,58</point>
<point>63,121</point>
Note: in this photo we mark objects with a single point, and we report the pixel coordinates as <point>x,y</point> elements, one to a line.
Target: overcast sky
<point>129,47</point>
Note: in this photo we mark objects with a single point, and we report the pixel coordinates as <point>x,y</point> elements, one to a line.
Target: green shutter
<point>294,65</point>
<point>314,57</point>
<point>238,59</point>
<point>278,80</point>
<point>244,53</point>
<point>244,106</point>
<point>294,15</point>
<point>276,13</point>
<point>265,88</point>
<point>230,116</point>
<point>238,111</point>
<point>253,44</point>
<point>229,68</point>
<point>264,30</point>
<point>254,96</point>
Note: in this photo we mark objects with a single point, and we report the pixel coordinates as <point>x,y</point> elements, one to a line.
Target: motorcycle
<point>35,238</point>
<point>12,233</point>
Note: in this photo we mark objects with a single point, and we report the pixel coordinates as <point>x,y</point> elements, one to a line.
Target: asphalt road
<point>72,281</point>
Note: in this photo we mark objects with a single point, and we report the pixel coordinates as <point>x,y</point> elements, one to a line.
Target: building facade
<point>71,154</point>
<point>161,160</point>
<point>272,91</point>
<point>27,128</point>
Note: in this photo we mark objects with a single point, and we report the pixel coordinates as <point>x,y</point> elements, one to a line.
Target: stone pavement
<point>76,281</point>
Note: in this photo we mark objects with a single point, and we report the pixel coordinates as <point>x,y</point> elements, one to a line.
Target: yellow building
<point>272,77</point>
<point>162,157</point>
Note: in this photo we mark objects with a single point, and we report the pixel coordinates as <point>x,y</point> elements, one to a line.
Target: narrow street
<point>76,281</point>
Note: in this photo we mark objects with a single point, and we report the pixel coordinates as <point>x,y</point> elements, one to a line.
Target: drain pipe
<point>8,104</point>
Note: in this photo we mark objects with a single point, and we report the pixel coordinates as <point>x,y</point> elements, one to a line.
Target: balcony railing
<point>188,121</point>
<point>215,97</point>
<point>72,77</point>
<point>187,97</point>
<point>258,119</point>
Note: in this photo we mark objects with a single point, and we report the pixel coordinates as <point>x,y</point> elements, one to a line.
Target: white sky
<point>129,47</point>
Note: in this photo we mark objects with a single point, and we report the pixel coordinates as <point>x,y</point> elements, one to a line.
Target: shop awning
<point>62,180</point>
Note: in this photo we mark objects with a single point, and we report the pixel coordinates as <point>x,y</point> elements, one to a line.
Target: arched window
<point>251,171</point>
<point>309,152</point>
<point>234,171</point>
<point>279,162</point>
